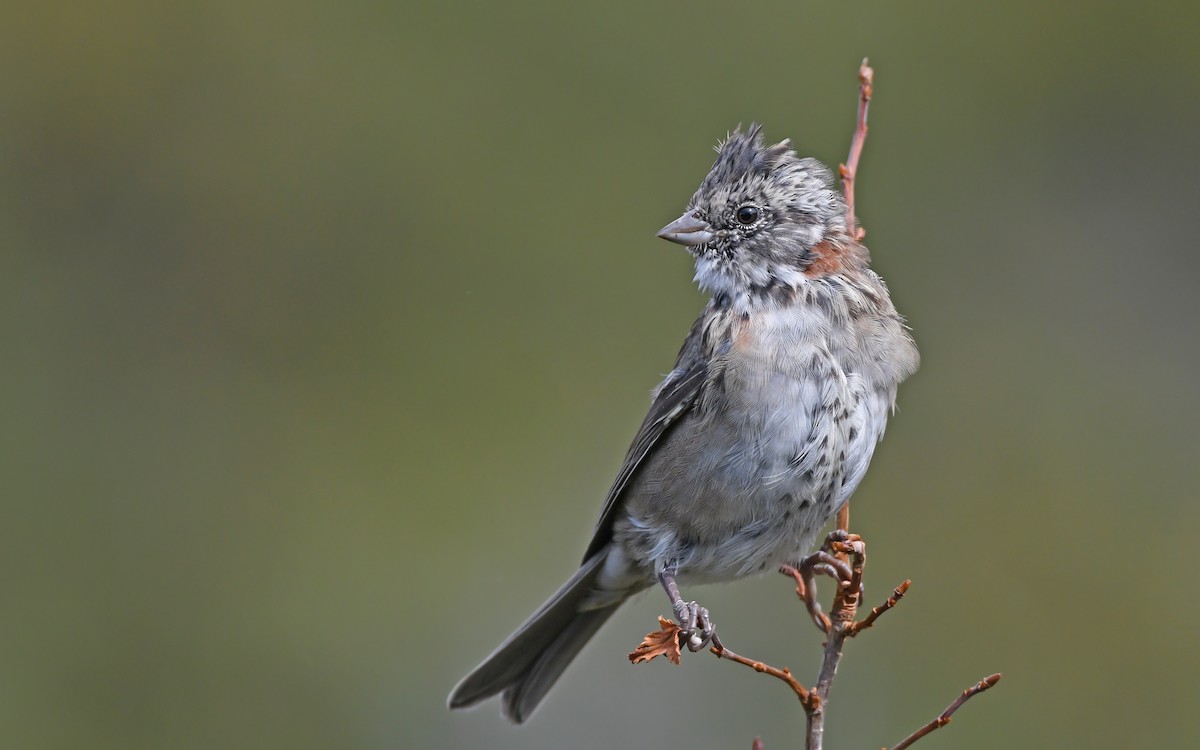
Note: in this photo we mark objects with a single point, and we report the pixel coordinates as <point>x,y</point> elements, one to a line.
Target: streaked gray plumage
<point>762,430</point>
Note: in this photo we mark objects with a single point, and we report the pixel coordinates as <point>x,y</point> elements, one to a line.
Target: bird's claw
<point>695,626</point>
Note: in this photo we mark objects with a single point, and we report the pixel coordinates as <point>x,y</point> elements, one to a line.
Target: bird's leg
<point>694,623</point>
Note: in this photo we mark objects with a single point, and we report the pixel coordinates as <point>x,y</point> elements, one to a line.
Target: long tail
<point>531,660</point>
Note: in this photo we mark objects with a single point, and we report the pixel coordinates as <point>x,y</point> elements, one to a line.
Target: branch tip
<point>848,171</point>
<point>893,600</point>
<point>944,718</point>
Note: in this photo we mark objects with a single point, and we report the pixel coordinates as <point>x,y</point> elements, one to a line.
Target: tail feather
<point>523,696</point>
<point>531,660</point>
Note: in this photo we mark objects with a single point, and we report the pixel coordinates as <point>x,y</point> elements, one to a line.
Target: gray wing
<point>673,399</point>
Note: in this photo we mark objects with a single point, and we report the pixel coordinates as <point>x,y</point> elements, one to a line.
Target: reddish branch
<point>848,171</point>
<point>784,674</point>
<point>866,82</point>
<point>944,718</point>
<point>843,518</point>
<point>892,600</point>
<point>841,622</point>
<point>837,626</point>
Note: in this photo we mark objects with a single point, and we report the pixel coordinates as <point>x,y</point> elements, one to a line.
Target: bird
<point>760,432</point>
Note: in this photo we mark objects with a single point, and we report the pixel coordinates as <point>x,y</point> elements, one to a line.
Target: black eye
<point>747,214</point>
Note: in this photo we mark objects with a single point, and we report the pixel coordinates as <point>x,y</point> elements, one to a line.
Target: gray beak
<point>688,230</point>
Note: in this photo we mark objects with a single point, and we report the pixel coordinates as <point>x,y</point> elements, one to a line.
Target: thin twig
<point>841,623</point>
<point>784,674</point>
<point>866,83</point>
<point>843,517</point>
<point>944,719</point>
<point>848,171</point>
<point>870,619</point>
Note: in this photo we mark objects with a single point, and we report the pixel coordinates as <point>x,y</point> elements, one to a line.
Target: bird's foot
<point>695,625</point>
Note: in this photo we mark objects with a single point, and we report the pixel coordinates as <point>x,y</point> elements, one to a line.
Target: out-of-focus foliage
<point>325,326</point>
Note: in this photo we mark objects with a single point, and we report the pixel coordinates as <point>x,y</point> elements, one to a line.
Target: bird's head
<point>757,217</point>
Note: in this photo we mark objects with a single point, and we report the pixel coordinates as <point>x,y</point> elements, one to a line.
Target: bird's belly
<point>745,486</point>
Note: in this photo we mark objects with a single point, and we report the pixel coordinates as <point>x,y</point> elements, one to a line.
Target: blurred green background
<point>326,326</point>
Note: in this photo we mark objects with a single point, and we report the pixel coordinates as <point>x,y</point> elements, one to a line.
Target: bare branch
<point>848,171</point>
<point>870,619</point>
<point>843,517</point>
<point>784,674</point>
<point>841,621</point>
<point>839,625</point>
<point>944,719</point>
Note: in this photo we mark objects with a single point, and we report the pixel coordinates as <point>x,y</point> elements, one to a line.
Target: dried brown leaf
<point>663,642</point>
